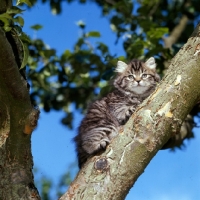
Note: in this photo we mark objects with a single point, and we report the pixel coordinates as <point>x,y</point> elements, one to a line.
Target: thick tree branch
<point>10,75</point>
<point>112,174</point>
<point>5,4</point>
<point>17,120</point>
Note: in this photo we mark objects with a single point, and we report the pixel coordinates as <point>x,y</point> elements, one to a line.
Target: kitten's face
<point>137,77</point>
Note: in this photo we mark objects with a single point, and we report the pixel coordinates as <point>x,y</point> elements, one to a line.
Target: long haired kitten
<point>133,83</point>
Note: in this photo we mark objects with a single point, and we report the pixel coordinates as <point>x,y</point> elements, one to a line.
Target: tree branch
<point>5,4</point>
<point>9,70</point>
<point>17,121</point>
<point>112,174</point>
<point>176,32</point>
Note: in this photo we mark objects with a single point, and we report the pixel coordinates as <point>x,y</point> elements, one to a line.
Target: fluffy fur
<point>133,83</point>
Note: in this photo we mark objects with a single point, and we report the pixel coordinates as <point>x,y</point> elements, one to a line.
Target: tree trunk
<point>112,174</point>
<point>17,120</point>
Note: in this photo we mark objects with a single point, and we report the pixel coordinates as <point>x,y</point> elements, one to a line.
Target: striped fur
<point>132,84</point>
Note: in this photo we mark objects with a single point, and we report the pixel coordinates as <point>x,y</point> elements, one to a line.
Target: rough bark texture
<point>112,174</point>
<point>17,119</point>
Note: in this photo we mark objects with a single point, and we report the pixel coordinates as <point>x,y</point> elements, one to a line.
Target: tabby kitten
<point>133,83</point>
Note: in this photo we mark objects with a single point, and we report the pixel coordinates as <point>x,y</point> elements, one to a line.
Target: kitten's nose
<point>138,80</point>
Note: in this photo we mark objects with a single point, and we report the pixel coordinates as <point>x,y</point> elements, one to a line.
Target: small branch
<point>153,10</point>
<point>110,2</point>
<point>176,32</point>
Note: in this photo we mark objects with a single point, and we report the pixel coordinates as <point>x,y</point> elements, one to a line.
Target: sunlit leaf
<point>5,16</point>
<point>7,28</point>
<point>27,2</point>
<point>67,53</point>
<point>36,27</point>
<point>19,20</point>
<point>93,34</point>
<point>157,32</point>
<point>113,27</point>
<point>14,10</point>
<point>7,20</point>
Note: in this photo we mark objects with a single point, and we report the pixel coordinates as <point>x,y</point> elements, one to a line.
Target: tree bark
<point>112,174</point>
<point>17,120</point>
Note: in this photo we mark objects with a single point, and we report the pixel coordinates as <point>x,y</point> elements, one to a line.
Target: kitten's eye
<point>144,75</point>
<point>131,77</point>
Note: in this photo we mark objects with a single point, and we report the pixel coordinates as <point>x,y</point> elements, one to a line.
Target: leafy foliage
<point>12,24</point>
<point>57,81</point>
<point>75,77</point>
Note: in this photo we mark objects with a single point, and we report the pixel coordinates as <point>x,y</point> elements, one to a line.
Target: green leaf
<point>5,16</point>
<point>37,27</point>
<point>25,38</point>
<point>19,20</point>
<point>27,2</point>
<point>14,10</point>
<point>93,34</point>
<point>157,33</point>
<point>6,19</point>
<point>48,53</point>
<point>102,47</point>
<point>26,54</point>
<point>67,53</point>
<point>113,27</point>
<point>7,28</point>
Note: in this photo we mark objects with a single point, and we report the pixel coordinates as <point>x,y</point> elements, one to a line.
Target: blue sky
<point>169,176</point>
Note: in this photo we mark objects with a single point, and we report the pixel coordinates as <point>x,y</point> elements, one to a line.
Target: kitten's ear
<point>151,63</point>
<point>121,66</point>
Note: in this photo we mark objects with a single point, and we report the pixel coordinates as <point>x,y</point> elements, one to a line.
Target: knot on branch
<point>101,165</point>
<point>31,121</point>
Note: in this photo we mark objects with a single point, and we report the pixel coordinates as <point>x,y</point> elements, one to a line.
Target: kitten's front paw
<point>136,101</point>
<point>96,146</point>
